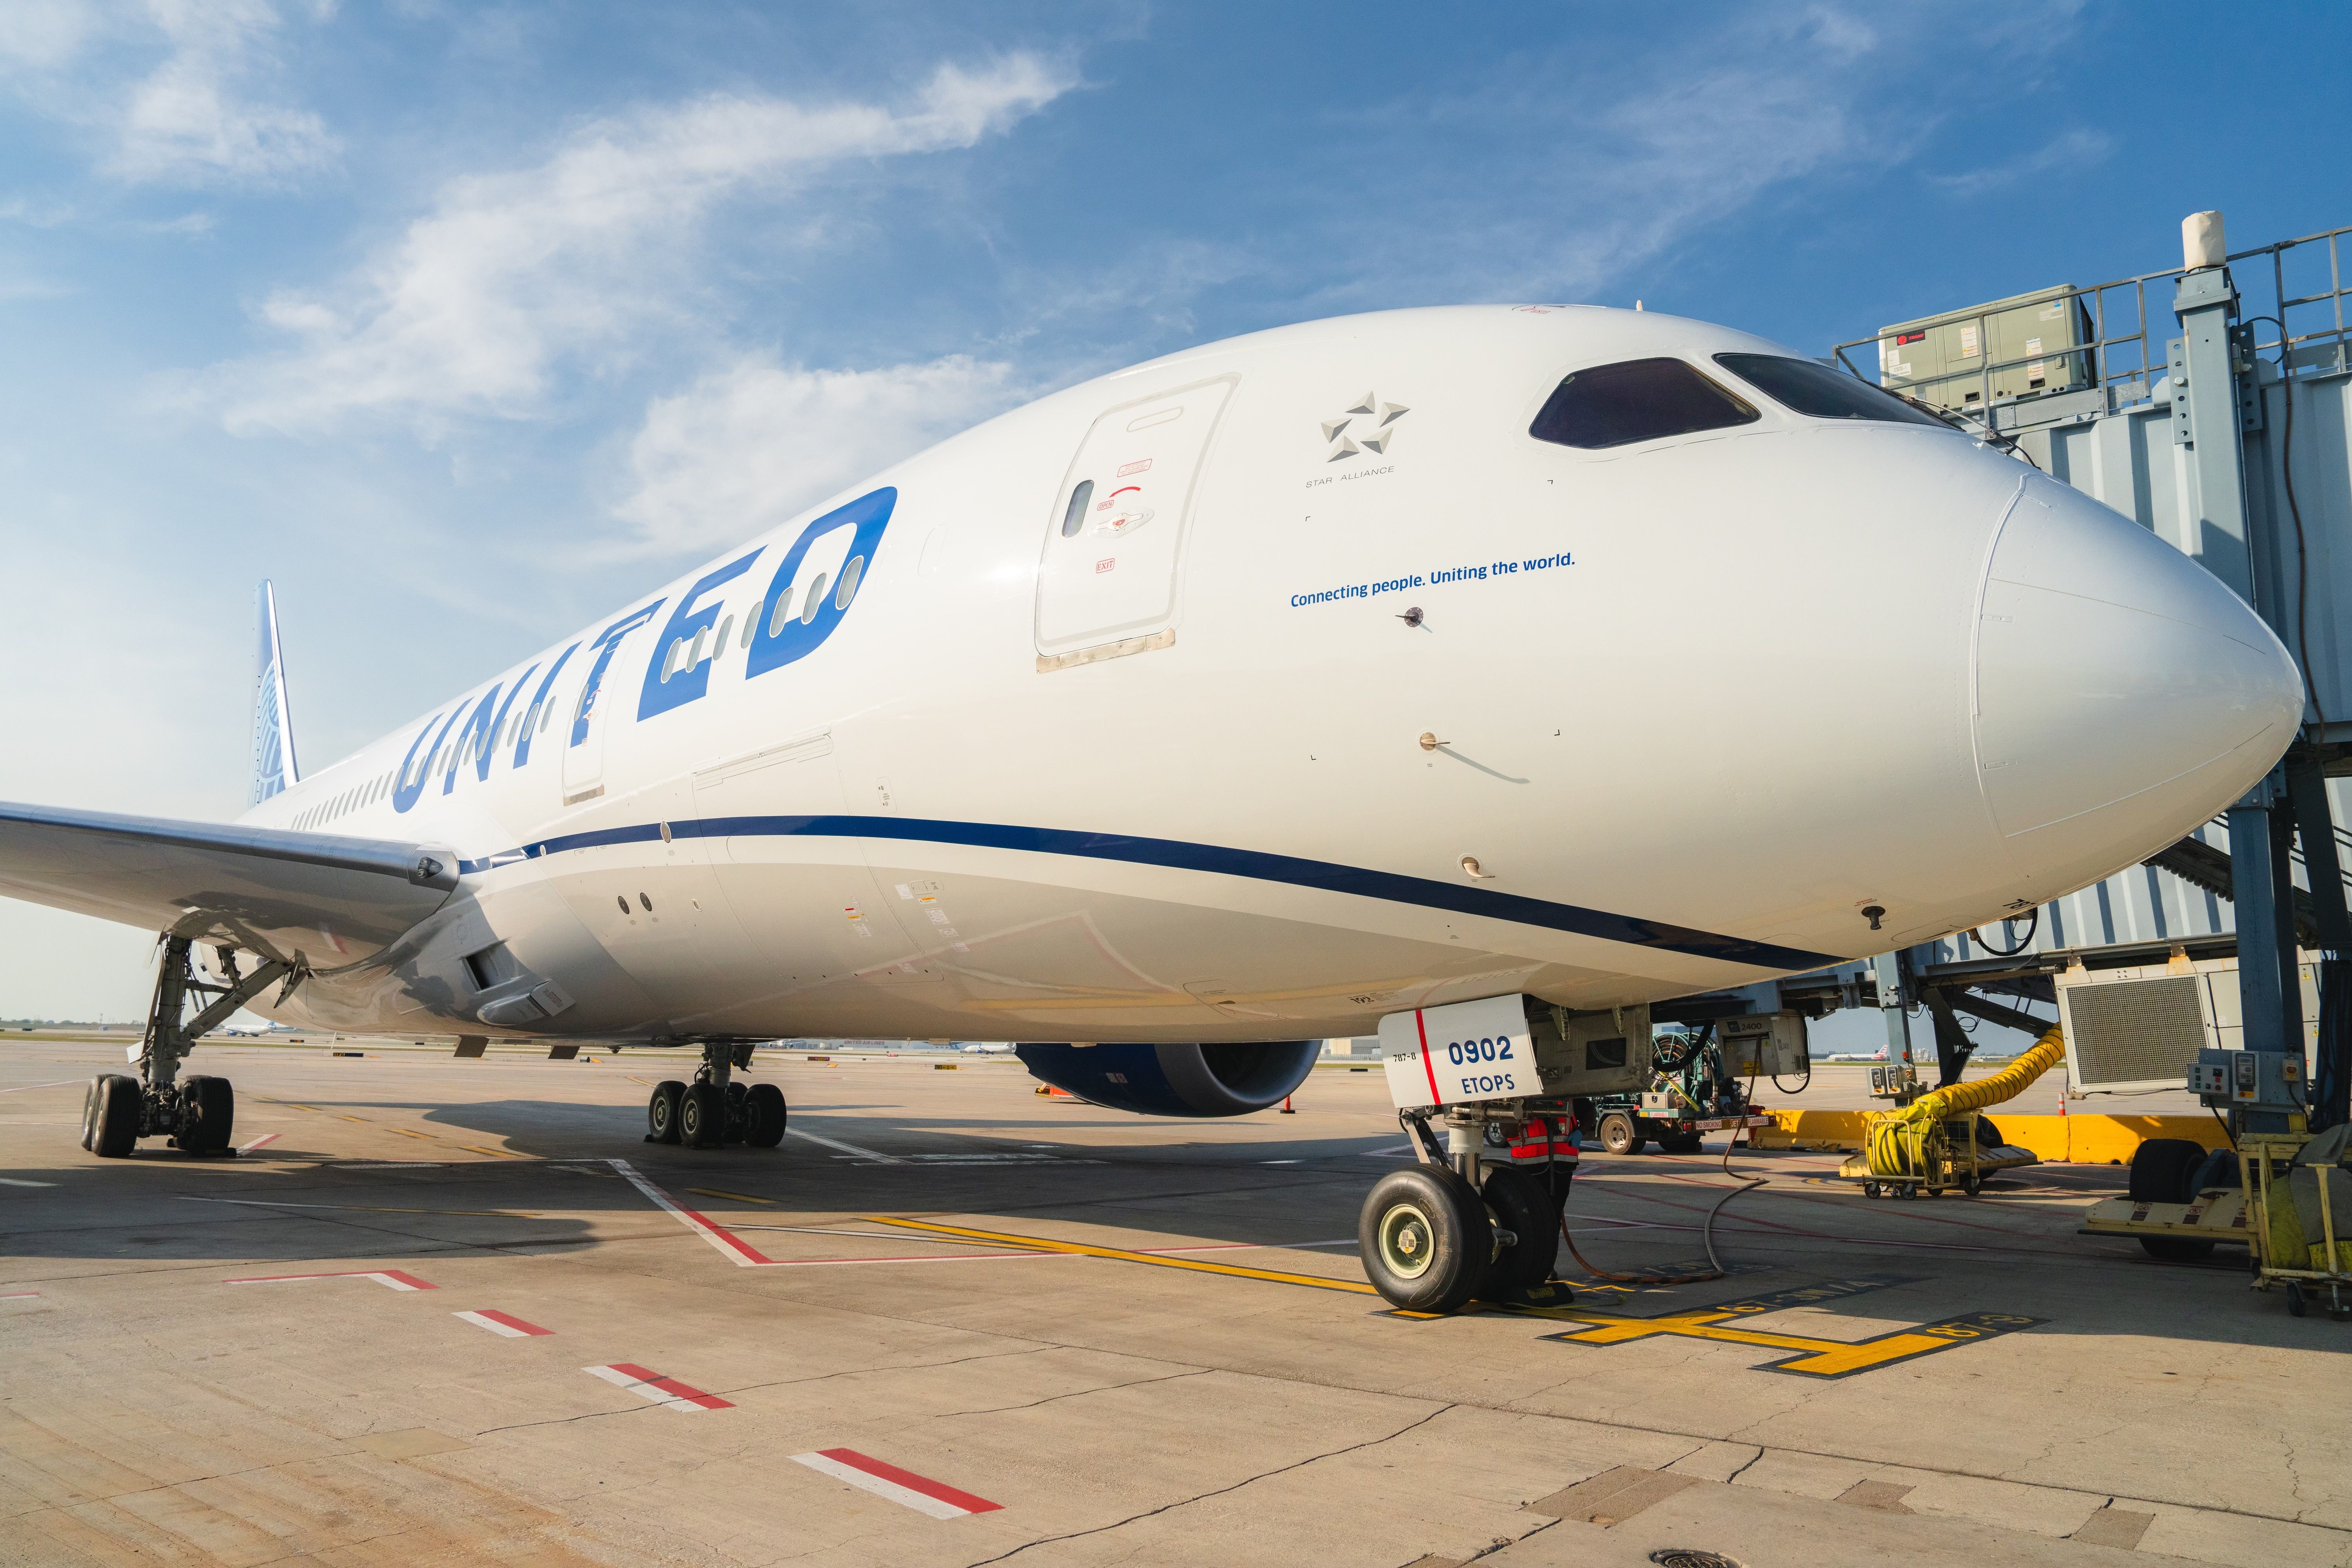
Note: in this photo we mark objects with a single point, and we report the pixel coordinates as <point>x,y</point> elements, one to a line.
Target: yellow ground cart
<point>1934,1145</point>
<point>2293,1180</point>
<point>2292,1207</point>
<point>1959,1161</point>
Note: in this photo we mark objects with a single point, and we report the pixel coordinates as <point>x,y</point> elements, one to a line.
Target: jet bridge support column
<point>2329,1100</point>
<point>2211,373</point>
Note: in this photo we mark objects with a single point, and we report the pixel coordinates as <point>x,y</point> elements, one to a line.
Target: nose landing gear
<point>1437,1235</point>
<point>715,1110</point>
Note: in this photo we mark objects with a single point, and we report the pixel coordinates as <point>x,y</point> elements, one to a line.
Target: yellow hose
<point>1910,1142</point>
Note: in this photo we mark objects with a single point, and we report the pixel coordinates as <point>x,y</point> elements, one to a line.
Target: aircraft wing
<point>334,900</point>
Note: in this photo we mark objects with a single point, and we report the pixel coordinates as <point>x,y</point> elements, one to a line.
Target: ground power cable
<point>1706,1237</point>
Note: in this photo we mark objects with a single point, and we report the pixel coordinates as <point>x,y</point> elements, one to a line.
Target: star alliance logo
<point>1369,427</point>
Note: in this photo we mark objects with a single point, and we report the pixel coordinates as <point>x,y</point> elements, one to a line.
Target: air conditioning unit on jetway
<point>2035,345</point>
<point>2143,1028</point>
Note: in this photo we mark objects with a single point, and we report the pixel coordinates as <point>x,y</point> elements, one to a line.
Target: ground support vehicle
<point>1691,1094</point>
<point>2281,1194</point>
<point>1971,1149</point>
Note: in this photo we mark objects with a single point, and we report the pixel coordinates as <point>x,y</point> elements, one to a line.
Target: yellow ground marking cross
<point>1803,1355</point>
<point>1806,1356</point>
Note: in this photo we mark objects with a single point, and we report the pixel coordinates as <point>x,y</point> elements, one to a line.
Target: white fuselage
<point>1696,703</point>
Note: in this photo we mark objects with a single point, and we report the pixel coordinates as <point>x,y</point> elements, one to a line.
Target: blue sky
<point>464,321</point>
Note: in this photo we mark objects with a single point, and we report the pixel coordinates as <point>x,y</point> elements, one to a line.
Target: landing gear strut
<point>714,1108</point>
<point>1456,1225</point>
<point>197,1112</point>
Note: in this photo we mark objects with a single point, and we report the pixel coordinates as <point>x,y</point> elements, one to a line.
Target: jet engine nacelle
<point>1177,1080</point>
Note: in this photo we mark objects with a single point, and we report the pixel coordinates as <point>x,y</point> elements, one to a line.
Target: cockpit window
<point>1820,391</point>
<point>1637,400</point>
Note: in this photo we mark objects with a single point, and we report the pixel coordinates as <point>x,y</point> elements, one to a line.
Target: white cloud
<point>188,121</point>
<point>747,447</point>
<point>2078,149</point>
<point>1611,164</point>
<point>208,112</point>
<point>45,33</point>
<point>476,307</point>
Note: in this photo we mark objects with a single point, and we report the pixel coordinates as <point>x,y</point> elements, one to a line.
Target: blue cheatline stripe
<point>1178,854</point>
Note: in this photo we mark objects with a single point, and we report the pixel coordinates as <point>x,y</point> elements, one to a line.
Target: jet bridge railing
<point>2125,358</point>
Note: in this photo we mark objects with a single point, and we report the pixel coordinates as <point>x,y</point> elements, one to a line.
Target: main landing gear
<point>1437,1233</point>
<point>197,1112</point>
<point>715,1110</point>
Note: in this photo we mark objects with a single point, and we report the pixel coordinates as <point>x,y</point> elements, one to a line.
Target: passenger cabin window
<point>1636,400</point>
<point>1822,392</point>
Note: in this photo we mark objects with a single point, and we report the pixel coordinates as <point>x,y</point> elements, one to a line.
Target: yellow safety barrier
<point>2087,1139</point>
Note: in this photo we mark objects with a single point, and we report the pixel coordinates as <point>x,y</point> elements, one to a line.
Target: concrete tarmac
<point>458,1311</point>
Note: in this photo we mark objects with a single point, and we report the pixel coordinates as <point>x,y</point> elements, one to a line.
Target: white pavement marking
<point>653,1386</point>
<point>730,1248</point>
<point>19,1296</point>
<point>258,1143</point>
<point>13,1181</point>
<point>504,1323</point>
<point>391,1278</point>
<point>54,1083</point>
<point>919,1493</point>
<point>847,1148</point>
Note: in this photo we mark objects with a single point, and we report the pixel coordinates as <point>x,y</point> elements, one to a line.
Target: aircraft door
<point>601,692</point>
<point>1115,539</point>
<point>582,732</point>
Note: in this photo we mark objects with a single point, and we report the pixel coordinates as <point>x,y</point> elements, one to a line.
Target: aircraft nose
<point>2123,693</point>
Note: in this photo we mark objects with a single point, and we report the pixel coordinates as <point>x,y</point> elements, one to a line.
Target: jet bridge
<point>2212,403</point>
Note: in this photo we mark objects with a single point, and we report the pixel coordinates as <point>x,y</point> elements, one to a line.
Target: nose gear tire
<point>1526,1209</point>
<point>1424,1238</point>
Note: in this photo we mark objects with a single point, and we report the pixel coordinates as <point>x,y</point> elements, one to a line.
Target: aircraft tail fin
<point>274,768</point>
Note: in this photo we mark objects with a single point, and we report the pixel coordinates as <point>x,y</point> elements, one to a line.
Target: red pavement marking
<point>671,1386</point>
<point>392,1277</point>
<point>911,1481</point>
